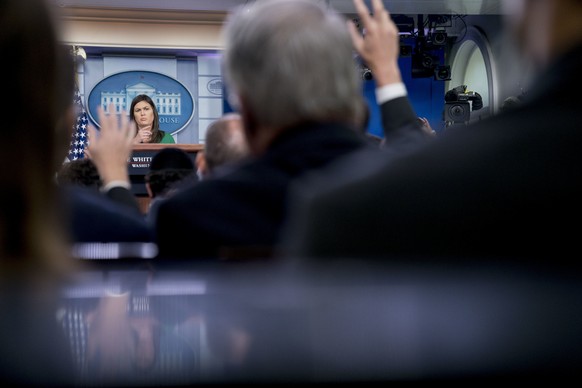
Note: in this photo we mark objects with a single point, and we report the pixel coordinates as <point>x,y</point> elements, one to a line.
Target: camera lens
<point>367,74</point>
<point>457,111</point>
<point>440,38</point>
<point>427,61</point>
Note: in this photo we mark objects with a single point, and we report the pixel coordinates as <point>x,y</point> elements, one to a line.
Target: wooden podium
<point>139,166</point>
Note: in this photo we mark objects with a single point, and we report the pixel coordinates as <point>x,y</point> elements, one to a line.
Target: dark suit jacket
<point>505,187</point>
<point>94,217</point>
<point>402,130</point>
<point>245,208</point>
<point>125,197</point>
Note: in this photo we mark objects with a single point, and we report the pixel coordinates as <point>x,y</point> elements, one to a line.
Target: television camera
<point>459,102</point>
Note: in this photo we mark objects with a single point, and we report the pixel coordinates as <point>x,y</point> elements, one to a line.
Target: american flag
<point>79,137</point>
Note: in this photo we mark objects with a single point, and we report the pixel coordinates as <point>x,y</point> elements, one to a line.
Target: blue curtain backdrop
<point>426,96</point>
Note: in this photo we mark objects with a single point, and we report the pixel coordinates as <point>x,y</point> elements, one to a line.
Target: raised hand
<point>111,147</point>
<point>380,45</point>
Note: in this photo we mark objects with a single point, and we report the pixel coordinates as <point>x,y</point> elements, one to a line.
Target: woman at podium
<point>145,115</point>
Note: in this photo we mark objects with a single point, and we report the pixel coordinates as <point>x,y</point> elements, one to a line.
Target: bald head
<point>225,142</point>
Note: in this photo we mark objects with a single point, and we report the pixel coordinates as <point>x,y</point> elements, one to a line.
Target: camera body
<point>457,112</point>
<point>459,103</point>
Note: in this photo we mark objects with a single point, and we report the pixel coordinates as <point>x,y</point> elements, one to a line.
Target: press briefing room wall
<point>177,43</point>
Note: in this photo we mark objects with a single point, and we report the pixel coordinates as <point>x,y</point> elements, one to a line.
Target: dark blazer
<point>124,196</point>
<point>94,217</point>
<point>245,208</point>
<point>505,187</point>
<point>402,130</point>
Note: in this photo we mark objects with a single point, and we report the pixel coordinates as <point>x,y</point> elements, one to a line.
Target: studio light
<point>425,40</point>
<point>363,68</point>
<point>438,38</point>
<point>442,73</point>
<point>423,65</point>
<point>366,74</point>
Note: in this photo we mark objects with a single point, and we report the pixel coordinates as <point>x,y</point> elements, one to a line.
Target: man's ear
<point>200,162</point>
<point>249,121</point>
<point>149,190</point>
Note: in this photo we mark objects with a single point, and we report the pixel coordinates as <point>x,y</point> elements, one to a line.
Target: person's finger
<point>130,135</point>
<point>100,114</point>
<point>363,12</point>
<point>104,119</point>
<point>123,121</point>
<point>379,10</point>
<point>92,135</point>
<point>357,39</point>
<point>127,128</point>
<point>124,126</point>
<point>109,119</point>
<point>111,110</point>
<point>384,20</point>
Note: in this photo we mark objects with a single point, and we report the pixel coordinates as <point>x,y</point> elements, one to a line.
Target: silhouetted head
<point>168,167</point>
